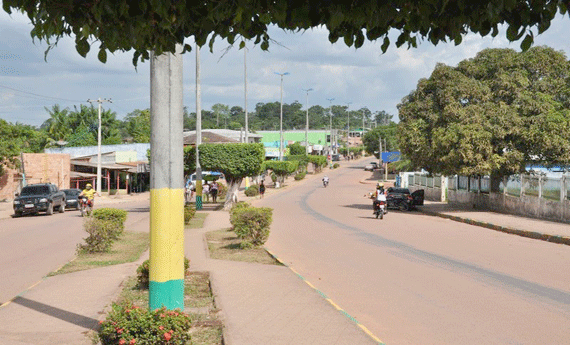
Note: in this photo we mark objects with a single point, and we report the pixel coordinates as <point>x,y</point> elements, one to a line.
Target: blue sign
<point>389,157</point>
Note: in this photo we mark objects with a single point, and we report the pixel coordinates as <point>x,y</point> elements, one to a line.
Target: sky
<point>356,78</point>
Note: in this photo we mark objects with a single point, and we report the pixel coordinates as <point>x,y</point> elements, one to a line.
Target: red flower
<point>132,341</point>
<point>101,322</point>
<point>167,336</point>
<point>161,328</point>
<point>122,342</point>
<point>162,315</point>
<point>119,330</point>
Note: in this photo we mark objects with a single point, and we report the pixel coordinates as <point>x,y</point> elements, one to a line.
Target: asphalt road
<point>417,279</point>
<point>33,246</point>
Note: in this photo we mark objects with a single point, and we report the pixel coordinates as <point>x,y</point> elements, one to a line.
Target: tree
<point>18,138</point>
<point>144,26</point>
<point>57,126</point>
<point>281,168</point>
<point>189,160</point>
<point>223,111</point>
<point>235,161</point>
<point>137,125</point>
<point>371,139</point>
<point>490,115</point>
<point>382,118</point>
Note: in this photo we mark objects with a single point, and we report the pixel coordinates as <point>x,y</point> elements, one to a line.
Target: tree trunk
<point>231,195</point>
<point>495,181</point>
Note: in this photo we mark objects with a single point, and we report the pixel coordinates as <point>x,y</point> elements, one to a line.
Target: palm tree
<point>57,126</point>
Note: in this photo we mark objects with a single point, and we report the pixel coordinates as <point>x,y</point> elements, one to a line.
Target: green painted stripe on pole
<point>169,294</point>
<point>198,202</point>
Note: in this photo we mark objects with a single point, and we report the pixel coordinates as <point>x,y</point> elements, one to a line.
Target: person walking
<point>214,191</point>
<point>261,189</point>
<point>206,191</point>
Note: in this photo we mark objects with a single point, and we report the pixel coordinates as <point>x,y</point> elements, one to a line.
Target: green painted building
<point>315,137</point>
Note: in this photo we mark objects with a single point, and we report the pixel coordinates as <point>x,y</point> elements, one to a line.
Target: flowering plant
<point>128,324</point>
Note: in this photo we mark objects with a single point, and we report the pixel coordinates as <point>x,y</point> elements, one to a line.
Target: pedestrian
<point>214,191</point>
<point>206,191</point>
<point>261,189</point>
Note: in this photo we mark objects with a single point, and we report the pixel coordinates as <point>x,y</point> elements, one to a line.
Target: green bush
<point>251,225</point>
<point>114,216</point>
<point>300,176</point>
<point>143,273</point>
<point>222,191</point>
<point>273,177</point>
<point>335,165</point>
<point>101,236</point>
<point>189,213</point>
<point>302,159</point>
<point>252,190</point>
<point>238,206</point>
<point>128,324</point>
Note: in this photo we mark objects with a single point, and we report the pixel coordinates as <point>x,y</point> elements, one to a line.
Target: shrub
<point>128,324</point>
<point>114,216</point>
<point>252,190</point>
<point>189,213</point>
<point>100,236</point>
<point>251,224</point>
<point>300,176</point>
<point>273,177</point>
<point>143,273</point>
<point>238,206</point>
<point>335,165</point>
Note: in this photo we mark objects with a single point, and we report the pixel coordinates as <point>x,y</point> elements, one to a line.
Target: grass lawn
<point>127,248</point>
<point>197,222</point>
<point>225,245</point>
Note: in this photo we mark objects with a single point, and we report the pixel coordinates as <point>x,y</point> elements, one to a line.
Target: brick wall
<point>40,168</point>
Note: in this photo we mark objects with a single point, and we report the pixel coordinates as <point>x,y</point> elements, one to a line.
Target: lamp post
<point>307,123</point>
<point>281,118</point>
<point>330,114</point>
<point>99,101</point>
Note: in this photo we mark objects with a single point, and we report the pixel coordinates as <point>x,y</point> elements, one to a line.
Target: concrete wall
<point>528,206</point>
<point>40,168</point>
<point>430,193</point>
<point>92,150</point>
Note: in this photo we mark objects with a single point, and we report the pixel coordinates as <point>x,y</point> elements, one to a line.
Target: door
<point>418,197</point>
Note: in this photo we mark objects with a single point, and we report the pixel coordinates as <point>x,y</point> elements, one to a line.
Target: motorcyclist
<point>379,195</point>
<point>325,180</point>
<point>88,192</point>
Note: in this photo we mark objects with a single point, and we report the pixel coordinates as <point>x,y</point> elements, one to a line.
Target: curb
<point>361,326</point>
<point>512,231</point>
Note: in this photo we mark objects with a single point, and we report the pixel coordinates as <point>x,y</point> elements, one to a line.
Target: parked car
<point>402,199</point>
<point>41,197</point>
<point>72,198</point>
<point>371,166</point>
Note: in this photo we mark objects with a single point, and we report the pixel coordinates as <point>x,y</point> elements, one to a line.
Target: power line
<point>37,95</point>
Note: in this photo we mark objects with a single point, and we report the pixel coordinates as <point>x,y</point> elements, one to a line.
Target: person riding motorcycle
<point>378,196</point>
<point>88,192</point>
<point>325,180</point>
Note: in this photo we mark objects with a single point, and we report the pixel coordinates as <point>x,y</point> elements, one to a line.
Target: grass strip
<point>198,221</point>
<point>225,245</point>
<point>128,248</point>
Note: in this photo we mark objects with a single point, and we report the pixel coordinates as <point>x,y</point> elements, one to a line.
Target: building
<point>219,136</point>
<point>36,168</point>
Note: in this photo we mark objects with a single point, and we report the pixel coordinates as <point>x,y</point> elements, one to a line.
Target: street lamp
<point>330,113</point>
<point>307,123</point>
<point>281,118</point>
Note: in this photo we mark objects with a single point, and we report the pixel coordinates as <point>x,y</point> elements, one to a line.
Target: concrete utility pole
<point>380,163</point>
<point>245,91</point>
<point>198,132</point>
<point>348,120</point>
<point>330,115</point>
<point>281,118</point>
<point>166,287</point>
<point>99,101</point>
<point>307,123</point>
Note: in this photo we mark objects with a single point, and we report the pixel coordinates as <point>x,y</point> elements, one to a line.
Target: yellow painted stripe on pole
<point>370,334</point>
<point>166,234</point>
<point>334,304</point>
<point>311,285</point>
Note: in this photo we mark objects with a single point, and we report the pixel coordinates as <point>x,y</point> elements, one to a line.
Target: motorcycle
<point>325,183</point>
<point>379,209</point>
<point>85,206</point>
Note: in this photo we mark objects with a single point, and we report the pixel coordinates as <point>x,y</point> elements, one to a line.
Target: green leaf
<point>385,45</point>
<point>102,56</point>
<point>527,42</point>
<point>82,47</point>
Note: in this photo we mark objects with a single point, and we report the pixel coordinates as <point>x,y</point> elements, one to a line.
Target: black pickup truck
<point>42,197</point>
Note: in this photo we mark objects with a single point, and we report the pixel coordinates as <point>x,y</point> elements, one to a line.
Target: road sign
<point>389,157</point>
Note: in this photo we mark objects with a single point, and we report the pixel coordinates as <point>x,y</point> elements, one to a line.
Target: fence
<point>550,188</point>
<point>434,186</point>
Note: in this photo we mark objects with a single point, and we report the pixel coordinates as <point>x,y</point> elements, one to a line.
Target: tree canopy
<point>146,25</point>
<point>490,115</point>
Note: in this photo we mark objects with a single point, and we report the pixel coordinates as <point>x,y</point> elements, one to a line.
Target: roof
<point>104,166</point>
<point>207,138</point>
<point>237,136</point>
<point>77,174</point>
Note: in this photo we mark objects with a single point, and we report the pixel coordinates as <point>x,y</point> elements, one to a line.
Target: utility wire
<point>37,95</point>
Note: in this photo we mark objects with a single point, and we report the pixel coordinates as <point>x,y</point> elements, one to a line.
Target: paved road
<point>416,279</point>
<point>33,246</point>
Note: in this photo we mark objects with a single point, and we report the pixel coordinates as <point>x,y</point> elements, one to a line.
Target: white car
<point>371,166</point>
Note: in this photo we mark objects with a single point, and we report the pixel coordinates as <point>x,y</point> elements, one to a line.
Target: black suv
<point>402,199</point>
<point>42,197</point>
